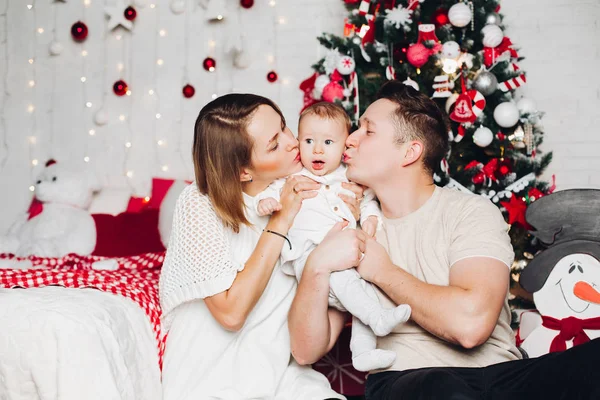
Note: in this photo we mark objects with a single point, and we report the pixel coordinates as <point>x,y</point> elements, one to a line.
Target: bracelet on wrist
<point>280,235</point>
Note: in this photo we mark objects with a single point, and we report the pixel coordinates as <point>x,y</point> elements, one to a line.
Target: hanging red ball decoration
<point>79,31</point>
<point>188,91</point>
<point>440,17</point>
<point>209,64</point>
<point>120,88</point>
<point>130,13</point>
<point>272,76</point>
<point>247,3</point>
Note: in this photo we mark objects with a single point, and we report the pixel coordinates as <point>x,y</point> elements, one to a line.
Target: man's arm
<point>465,312</point>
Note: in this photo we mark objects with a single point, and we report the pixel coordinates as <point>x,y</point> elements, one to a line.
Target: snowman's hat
<point>566,222</point>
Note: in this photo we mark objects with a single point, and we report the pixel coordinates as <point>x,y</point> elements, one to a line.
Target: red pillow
<point>127,234</point>
<point>160,187</point>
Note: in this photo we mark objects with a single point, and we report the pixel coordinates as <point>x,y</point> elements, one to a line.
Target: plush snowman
<point>58,222</point>
<point>565,277</point>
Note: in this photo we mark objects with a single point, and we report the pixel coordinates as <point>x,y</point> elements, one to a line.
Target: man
<point>446,254</point>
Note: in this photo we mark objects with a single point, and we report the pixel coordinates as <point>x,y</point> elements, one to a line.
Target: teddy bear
<point>58,222</point>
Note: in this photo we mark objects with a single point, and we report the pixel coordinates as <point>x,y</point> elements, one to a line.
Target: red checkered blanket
<point>136,278</point>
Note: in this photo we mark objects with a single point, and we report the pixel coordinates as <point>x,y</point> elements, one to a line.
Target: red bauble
<point>333,91</point>
<point>272,76</point>
<point>209,64</point>
<point>504,169</point>
<point>79,31</point>
<point>120,88</point>
<point>247,3</point>
<point>440,17</point>
<point>418,54</point>
<point>130,13</point>
<point>188,91</point>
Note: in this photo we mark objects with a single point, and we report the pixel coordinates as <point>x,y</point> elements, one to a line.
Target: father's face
<point>372,154</point>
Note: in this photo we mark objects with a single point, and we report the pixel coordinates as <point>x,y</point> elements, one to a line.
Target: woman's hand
<point>339,250</point>
<point>353,202</point>
<point>296,189</point>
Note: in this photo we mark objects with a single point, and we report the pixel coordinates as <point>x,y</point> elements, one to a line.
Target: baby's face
<point>322,144</point>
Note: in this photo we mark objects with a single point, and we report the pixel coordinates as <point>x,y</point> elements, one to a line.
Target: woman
<point>224,298</point>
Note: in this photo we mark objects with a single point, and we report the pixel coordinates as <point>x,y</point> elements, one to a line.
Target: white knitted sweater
<point>198,262</point>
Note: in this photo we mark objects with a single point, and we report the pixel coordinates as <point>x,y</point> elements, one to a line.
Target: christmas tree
<point>457,53</point>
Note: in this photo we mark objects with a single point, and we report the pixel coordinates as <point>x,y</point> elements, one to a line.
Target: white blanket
<point>75,344</point>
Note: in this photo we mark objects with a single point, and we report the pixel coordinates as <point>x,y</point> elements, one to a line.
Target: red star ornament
<point>516,211</point>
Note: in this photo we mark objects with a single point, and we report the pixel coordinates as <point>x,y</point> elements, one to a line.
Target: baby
<point>322,132</point>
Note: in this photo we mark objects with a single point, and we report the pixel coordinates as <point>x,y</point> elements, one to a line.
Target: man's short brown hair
<point>417,117</point>
<point>328,111</point>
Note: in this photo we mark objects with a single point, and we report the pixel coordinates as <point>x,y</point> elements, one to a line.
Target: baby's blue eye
<point>328,141</point>
<point>309,141</point>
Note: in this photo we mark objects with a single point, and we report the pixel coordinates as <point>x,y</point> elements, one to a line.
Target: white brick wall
<point>560,40</point>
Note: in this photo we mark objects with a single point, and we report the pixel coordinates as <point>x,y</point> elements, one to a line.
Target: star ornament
<point>516,211</point>
<point>116,15</point>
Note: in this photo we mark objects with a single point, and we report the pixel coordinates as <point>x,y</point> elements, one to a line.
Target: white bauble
<point>450,49</point>
<point>526,106</point>
<point>101,117</point>
<point>483,136</point>
<point>177,6</point>
<point>506,114</point>
<point>242,59</point>
<point>55,48</point>
<point>459,15</point>
<point>346,65</point>
<point>321,82</point>
<point>492,35</point>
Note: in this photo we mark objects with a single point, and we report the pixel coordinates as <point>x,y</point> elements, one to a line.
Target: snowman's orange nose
<point>586,292</point>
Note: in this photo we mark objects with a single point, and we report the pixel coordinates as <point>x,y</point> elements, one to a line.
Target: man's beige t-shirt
<point>449,227</point>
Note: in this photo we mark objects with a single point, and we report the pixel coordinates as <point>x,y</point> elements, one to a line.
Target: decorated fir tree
<point>457,53</point>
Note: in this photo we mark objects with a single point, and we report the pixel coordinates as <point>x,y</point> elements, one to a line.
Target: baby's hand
<point>370,225</point>
<point>268,206</point>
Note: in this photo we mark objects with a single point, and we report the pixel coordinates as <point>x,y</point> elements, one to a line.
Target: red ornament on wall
<point>247,3</point>
<point>188,91</point>
<point>120,88</point>
<point>272,76</point>
<point>209,64</point>
<point>130,13</point>
<point>79,31</point>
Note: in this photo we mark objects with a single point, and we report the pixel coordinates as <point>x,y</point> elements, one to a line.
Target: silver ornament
<point>55,48</point>
<point>485,83</point>
<point>493,18</point>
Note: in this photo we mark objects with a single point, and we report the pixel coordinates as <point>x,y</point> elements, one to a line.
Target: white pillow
<point>110,201</point>
<point>167,209</point>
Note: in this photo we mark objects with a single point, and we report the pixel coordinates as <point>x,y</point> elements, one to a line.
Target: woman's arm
<point>231,307</point>
<point>314,328</point>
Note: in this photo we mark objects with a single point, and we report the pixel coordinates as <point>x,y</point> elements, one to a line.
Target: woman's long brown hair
<point>222,148</point>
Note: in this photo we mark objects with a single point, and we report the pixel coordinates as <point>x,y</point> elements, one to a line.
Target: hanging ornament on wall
<point>130,13</point>
<point>272,76</point>
<point>120,88</point>
<point>55,48</point>
<point>247,3</point>
<point>117,16</point>
<point>440,17</point>
<point>459,15</point>
<point>177,6</point>
<point>209,64</point>
<point>506,114</point>
<point>486,83</point>
<point>346,65</point>
<point>79,31</point>
<point>492,35</point>
<point>483,136</point>
<point>215,10</point>
<point>101,117</point>
<point>188,91</point>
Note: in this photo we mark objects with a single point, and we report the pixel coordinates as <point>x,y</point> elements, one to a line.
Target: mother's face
<point>275,153</point>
